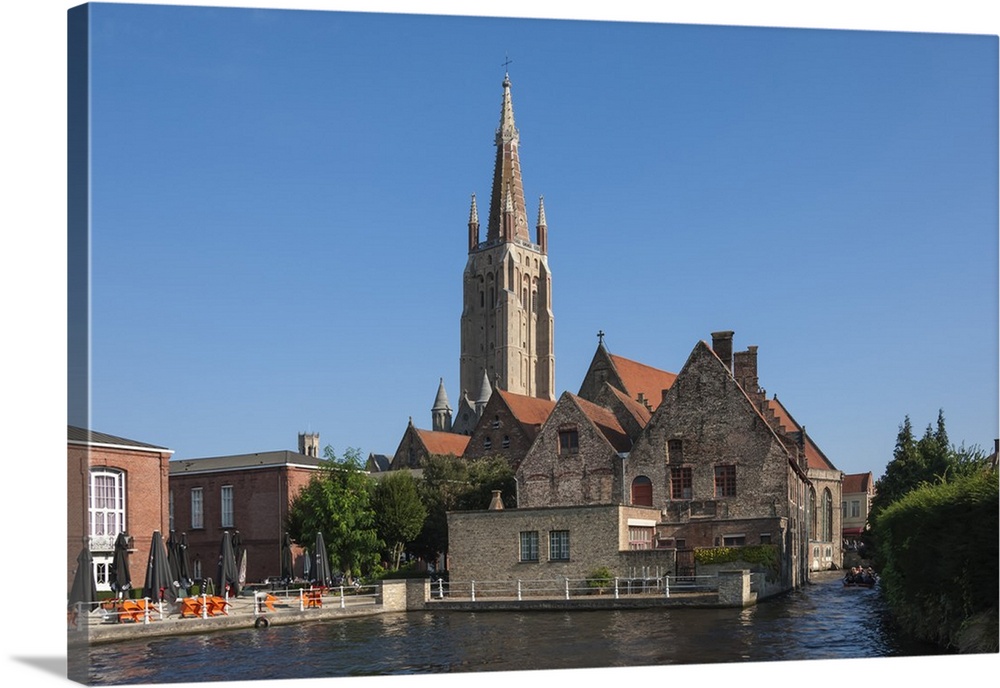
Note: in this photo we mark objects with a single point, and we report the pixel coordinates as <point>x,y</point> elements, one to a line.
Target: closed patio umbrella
<point>120,578</point>
<point>241,559</point>
<point>159,582</point>
<point>229,584</point>
<point>321,575</point>
<point>83,593</point>
<point>286,560</point>
<point>184,561</point>
<point>174,561</point>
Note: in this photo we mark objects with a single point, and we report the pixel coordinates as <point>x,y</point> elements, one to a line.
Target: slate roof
<point>640,378</point>
<point>243,462</point>
<point>379,462</point>
<point>77,435</point>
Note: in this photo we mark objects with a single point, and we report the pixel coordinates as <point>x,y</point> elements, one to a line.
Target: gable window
<point>725,481</point>
<point>558,545</point>
<point>642,491</point>
<point>529,545</point>
<point>680,482</point>
<point>197,508</point>
<point>227,506</point>
<point>569,441</point>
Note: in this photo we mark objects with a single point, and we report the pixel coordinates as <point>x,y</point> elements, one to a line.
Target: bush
<point>764,555</point>
<point>939,554</point>
<point>600,577</point>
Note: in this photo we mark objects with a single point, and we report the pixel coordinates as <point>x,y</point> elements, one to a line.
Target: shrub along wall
<point>938,545</point>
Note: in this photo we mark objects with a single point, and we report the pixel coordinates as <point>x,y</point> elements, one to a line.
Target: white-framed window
<point>107,501</point>
<point>558,545</point>
<point>197,508</point>
<point>640,537</point>
<point>529,545</point>
<point>855,508</point>
<point>227,506</point>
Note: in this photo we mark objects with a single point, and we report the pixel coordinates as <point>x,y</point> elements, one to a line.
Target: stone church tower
<point>507,323</point>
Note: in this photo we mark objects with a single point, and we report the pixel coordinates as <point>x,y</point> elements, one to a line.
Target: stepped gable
<point>815,457</point>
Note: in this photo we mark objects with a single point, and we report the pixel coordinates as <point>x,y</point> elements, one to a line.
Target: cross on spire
<point>506,61</point>
<point>600,337</point>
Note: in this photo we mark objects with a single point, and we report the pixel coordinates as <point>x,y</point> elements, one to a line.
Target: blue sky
<point>830,196</point>
<point>280,201</point>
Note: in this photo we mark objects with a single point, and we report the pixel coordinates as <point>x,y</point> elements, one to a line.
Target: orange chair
<point>132,610</point>
<point>190,607</point>
<point>217,605</point>
<point>268,601</point>
<point>313,598</point>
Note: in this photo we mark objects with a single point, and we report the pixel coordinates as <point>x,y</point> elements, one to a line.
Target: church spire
<point>542,228</point>
<point>508,218</point>
<point>473,225</point>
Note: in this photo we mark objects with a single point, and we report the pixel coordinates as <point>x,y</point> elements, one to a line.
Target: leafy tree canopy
<point>337,501</point>
<point>399,512</point>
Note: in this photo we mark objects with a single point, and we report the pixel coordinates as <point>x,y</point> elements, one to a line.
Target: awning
<point>852,531</point>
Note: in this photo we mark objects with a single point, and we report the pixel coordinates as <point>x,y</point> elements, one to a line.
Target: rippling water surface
<point>821,621</point>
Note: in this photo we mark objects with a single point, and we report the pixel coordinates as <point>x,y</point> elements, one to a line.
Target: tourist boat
<point>862,581</point>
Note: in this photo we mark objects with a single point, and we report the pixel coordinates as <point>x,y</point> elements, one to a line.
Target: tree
<point>399,512</point>
<point>337,502</point>
<point>455,484</point>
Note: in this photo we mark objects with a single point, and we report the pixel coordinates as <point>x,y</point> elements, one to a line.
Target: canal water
<point>821,621</point>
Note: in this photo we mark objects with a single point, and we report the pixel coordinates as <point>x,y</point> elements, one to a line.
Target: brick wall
<point>485,545</point>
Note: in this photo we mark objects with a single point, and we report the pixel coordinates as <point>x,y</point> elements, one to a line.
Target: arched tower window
<point>813,516</point>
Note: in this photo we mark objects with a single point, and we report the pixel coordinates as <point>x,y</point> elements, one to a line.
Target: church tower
<point>507,323</point>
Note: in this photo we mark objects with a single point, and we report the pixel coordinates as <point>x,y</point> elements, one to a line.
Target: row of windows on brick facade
<point>558,545</point>
<point>227,513</point>
<point>681,483</point>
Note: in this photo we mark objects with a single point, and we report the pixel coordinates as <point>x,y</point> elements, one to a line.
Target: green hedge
<point>765,555</point>
<point>939,554</point>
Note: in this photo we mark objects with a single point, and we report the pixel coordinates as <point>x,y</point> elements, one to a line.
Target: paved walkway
<point>98,627</point>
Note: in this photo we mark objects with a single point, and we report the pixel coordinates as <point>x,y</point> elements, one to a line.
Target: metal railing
<point>568,588</point>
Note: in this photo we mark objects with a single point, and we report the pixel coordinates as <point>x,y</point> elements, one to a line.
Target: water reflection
<point>822,621</point>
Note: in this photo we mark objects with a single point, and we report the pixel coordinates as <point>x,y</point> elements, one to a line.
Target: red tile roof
<point>814,455</point>
<point>640,412</point>
<point>606,422</point>
<point>443,443</point>
<point>857,482</point>
<point>530,411</point>
<point>640,378</point>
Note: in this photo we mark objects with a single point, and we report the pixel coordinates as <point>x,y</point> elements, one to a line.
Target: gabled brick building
<point>508,426</point>
<point>418,444</point>
<point>576,458</point>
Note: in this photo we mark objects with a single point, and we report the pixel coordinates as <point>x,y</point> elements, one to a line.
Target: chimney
<point>722,344</point>
<point>497,503</point>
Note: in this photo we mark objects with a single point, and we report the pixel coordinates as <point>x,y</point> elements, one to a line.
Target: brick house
<point>858,491</point>
<point>508,426</point>
<point>114,485</point>
<point>248,493</point>
<point>712,463</point>
<point>576,458</point>
<point>417,444</point>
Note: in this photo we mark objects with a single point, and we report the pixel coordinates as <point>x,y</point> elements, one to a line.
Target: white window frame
<point>197,508</point>
<point>558,545</point>
<point>106,502</point>
<point>528,545</point>
<point>226,495</point>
